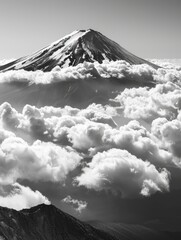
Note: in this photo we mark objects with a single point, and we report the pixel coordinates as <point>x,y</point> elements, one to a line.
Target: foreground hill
<point>46,222</point>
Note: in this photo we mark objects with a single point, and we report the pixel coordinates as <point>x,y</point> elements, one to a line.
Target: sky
<point>147,28</point>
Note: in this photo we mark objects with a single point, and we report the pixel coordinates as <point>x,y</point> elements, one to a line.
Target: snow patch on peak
<point>63,38</point>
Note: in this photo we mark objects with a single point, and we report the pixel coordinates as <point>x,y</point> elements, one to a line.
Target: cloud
<point>54,124</point>
<point>93,112</point>
<point>51,144</point>
<point>83,71</point>
<point>138,141</point>
<point>79,129</point>
<point>47,148</point>
<point>44,121</point>
<point>96,137</point>
<point>21,197</point>
<point>46,161</point>
<point>168,63</point>
<point>37,162</point>
<point>5,134</point>
<point>78,205</point>
<point>86,136</point>
<point>108,69</point>
<point>168,134</point>
<point>164,100</point>
<point>122,173</point>
<point>9,116</point>
<point>99,113</point>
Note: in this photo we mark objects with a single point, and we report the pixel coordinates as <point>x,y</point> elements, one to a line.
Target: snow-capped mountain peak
<point>77,47</point>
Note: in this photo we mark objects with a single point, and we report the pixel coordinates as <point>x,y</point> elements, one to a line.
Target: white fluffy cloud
<point>120,172</point>
<point>169,135</point>
<point>9,116</point>
<point>114,69</point>
<point>164,100</point>
<point>86,136</point>
<point>21,197</point>
<point>38,162</point>
<point>95,137</point>
<point>138,141</point>
<point>78,128</point>
<point>5,134</point>
<point>46,122</point>
<point>58,125</point>
<point>78,205</point>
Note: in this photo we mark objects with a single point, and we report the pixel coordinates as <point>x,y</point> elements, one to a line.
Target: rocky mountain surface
<point>78,47</point>
<point>46,222</point>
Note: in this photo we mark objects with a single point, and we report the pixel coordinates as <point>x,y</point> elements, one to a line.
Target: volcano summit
<point>77,47</point>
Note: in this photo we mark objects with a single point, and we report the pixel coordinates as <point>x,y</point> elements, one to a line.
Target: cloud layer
<point>144,103</point>
<point>83,151</point>
<point>59,140</point>
<point>115,69</point>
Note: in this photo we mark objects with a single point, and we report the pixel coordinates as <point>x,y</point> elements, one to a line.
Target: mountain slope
<point>46,222</point>
<point>132,232</point>
<point>77,47</point>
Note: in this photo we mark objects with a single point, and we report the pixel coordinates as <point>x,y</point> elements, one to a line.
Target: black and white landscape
<point>99,140</point>
<point>90,142</point>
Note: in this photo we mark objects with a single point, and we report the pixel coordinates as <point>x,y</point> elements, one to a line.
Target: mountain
<point>85,45</point>
<point>77,47</point>
<point>46,222</point>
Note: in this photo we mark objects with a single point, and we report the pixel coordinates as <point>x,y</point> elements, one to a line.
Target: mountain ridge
<point>46,222</point>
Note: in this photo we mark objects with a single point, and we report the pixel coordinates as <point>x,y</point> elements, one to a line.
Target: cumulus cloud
<point>138,141</point>
<point>78,128</point>
<point>54,124</point>
<point>99,113</point>
<point>164,100</point>
<point>122,173</point>
<point>78,205</point>
<point>168,134</point>
<point>21,197</point>
<point>96,137</point>
<point>85,136</point>
<point>46,161</point>
<point>37,162</point>
<point>9,116</point>
<point>129,147</point>
<point>5,134</point>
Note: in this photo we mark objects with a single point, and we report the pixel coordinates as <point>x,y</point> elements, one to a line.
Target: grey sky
<point>148,28</point>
